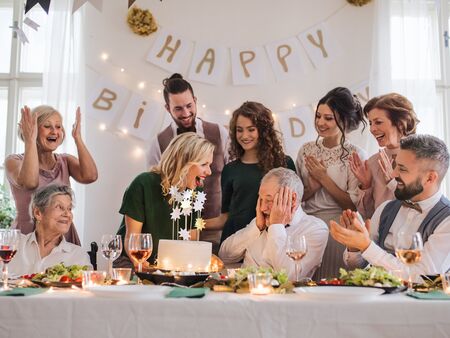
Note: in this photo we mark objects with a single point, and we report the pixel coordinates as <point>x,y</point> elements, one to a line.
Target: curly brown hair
<point>269,149</point>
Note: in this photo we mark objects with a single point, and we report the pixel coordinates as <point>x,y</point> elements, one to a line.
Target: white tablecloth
<point>80,314</point>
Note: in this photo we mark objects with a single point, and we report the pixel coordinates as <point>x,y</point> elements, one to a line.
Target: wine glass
<point>9,240</point>
<point>140,248</point>
<point>296,249</point>
<point>111,249</point>
<point>408,248</point>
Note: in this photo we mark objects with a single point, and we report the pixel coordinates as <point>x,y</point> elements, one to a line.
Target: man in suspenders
<point>422,163</point>
<point>181,104</point>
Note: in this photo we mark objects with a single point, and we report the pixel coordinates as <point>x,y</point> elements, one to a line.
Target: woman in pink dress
<point>42,132</point>
<point>391,117</point>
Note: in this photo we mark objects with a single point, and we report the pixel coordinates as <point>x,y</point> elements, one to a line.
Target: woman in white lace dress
<point>323,165</point>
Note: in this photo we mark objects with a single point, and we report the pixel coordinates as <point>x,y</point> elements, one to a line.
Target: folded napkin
<point>177,292</point>
<point>438,294</point>
<point>23,292</point>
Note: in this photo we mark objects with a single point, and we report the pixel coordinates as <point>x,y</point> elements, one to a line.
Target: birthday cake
<point>192,256</point>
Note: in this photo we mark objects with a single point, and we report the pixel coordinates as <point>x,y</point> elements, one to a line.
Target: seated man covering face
<point>278,214</point>
<point>422,163</point>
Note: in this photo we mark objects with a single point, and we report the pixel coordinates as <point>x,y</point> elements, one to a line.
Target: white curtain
<point>405,57</point>
<point>63,81</point>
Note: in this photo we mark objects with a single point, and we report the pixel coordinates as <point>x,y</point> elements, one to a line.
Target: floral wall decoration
<point>141,21</point>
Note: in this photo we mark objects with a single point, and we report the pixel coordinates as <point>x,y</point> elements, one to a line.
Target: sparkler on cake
<point>186,203</point>
<point>184,255</point>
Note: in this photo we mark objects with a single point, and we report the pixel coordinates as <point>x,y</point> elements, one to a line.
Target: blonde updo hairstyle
<point>43,113</point>
<point>183,151</point>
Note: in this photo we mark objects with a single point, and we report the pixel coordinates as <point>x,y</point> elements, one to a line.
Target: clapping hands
<point>316,169</point>
<point>28,125</point>
<point>361,170</point>
<point>76,128</point>
<point>386,165</point>
<point>351,232</point>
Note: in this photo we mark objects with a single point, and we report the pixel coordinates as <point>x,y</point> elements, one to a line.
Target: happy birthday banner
<point>208,62</point>
<point>122,109</point>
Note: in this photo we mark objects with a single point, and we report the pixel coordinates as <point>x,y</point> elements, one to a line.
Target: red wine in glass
<point>7,253</point>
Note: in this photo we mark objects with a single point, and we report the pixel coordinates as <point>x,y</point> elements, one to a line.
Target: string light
<point>104,56</point>
<point>142,85</point>
<point>138,152</point>
<point>125,131</point>
<point>102,126</point>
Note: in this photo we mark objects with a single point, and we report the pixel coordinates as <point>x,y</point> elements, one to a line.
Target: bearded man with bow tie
<point>422,163</point>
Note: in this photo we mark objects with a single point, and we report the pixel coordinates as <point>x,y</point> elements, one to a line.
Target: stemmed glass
<point>140,248</point>
<point>408,248</point>
<point>296,249</point>
<point>9,240</point>
<point>111,249</point>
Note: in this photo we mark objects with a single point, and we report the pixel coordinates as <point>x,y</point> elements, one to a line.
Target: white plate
<point>339,292</point>
<point>127,291</point>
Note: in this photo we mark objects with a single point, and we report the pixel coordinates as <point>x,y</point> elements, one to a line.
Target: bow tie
<point>412,205</point>
<point>185,130</point>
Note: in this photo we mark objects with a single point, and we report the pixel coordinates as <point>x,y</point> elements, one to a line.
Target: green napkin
<point>438,294</point>
<point>23,292</point>
<point>177,292</point>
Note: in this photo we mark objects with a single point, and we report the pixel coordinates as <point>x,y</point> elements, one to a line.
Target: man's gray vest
<point>435,216</point>
<point>212,183</point>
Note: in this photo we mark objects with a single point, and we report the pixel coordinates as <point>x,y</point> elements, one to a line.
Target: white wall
<point>231,23</point>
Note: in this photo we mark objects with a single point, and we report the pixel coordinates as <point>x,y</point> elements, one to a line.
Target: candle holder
<point>446,282</point>
<point>93,278</point>
<point>122,275</point>
<point>260,283</point>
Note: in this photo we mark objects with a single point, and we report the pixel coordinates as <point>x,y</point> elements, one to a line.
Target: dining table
<point>145,311</point>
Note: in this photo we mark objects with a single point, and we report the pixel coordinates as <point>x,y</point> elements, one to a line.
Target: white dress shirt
<point>28,258</point>
<point>154,151</point>
<point>436,250</point>
<point>268,248</point>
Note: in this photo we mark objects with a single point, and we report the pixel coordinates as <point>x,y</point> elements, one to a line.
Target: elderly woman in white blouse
<point>51,211</point>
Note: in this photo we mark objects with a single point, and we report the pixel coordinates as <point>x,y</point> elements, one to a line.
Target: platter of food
<point>373,277</point>
<point>181,278</point>
<point>59,275</point>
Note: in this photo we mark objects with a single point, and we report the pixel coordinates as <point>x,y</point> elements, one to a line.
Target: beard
<point>182,128</point>
<point>408,191</point>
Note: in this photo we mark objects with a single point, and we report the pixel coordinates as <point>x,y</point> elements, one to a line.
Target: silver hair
<point>43,113</point>
<point>42,198</point>
<point>286,178</point>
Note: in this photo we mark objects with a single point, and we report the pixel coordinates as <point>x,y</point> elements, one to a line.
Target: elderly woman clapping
<point>42,131</point>
<point>51,211</point>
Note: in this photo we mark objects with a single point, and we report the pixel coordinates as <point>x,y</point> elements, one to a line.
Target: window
<point>419,51</point>
<point>21,67</point>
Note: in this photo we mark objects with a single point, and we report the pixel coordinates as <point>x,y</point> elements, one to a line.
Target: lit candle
<point>259,283</point>
<point>260,290</point>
